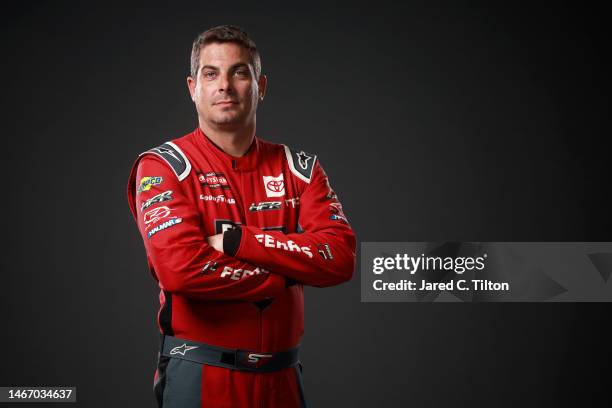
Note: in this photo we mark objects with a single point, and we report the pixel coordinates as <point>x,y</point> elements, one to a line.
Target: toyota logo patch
<point>275,186</point>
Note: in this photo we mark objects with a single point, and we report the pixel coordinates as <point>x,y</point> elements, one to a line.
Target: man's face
<point>225,90</point>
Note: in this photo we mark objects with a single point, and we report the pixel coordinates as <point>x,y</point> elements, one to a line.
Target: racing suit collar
<point>245,163</point>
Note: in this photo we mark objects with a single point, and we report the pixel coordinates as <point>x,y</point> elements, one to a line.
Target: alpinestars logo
<point>271,242</point>
<point>182,349</point>
<point>303,159</point>
<point>161,150</point>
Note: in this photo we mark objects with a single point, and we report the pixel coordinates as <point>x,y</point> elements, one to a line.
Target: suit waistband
<point>235,359</point>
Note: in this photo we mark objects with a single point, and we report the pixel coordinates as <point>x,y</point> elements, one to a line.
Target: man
<point>233,227</point>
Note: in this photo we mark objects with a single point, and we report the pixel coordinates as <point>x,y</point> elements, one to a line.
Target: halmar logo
<point>163,226</point>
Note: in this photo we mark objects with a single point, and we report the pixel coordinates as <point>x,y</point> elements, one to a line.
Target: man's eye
<point>242,72</point>
<point>209,74</point>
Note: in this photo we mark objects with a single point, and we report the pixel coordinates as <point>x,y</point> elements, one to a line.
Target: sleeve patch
<point>174,156</point>
<point>301,163</point>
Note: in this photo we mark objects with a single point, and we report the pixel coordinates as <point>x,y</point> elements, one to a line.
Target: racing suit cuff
<point>231,241</point>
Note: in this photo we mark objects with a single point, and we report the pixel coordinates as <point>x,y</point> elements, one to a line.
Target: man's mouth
<point>226,102</point>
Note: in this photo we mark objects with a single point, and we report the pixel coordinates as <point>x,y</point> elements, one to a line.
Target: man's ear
<point>191,83</point>
<point>262,82</point>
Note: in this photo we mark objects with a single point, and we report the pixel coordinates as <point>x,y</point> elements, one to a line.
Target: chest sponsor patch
<point>223,225</point>
<point>210,266</point>
<point>160,198</point>
<point>292,202</point>
<point>325,251</point>
<point>237,274</point>
<point>163,226</point>
<point>147,182</point>
<point>217,199</point>
<point>265,206</point>
<point>274,186</point>
<point>271,242</point>
<point>213,180</point>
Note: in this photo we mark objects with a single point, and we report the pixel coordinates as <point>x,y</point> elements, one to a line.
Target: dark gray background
<point>434,123</point>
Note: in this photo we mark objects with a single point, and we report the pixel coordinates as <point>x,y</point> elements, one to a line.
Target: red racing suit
<point>284,228</point>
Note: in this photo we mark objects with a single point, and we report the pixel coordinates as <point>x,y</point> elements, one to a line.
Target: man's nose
<point>225,85</point>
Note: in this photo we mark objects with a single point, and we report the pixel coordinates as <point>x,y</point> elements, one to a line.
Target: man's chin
<point>227,120</point>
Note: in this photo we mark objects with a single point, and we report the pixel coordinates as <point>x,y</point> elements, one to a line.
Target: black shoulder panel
<point>174,156</point>
<point>301,163</point>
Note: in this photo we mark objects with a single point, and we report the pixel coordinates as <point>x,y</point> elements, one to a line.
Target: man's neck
<point>233,141</point>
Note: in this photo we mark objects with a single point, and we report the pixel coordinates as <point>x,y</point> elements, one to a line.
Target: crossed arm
<point>186,262</point>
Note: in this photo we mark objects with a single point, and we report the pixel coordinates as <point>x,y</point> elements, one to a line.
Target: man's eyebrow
<point>236,65</point>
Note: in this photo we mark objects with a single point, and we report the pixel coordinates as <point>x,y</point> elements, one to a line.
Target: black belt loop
<point>236,351</point>
<point>161,342</point>
<point>235,359</point>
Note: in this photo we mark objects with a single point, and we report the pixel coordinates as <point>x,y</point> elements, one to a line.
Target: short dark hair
<point>222,34</point>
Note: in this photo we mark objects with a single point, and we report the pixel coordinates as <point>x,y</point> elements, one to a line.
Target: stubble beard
<point>227,118</point>
<point>232,118</point>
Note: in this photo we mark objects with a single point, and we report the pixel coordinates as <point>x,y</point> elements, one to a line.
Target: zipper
<point>262,397</point>
<point>240,195</point>
<point>244,201</point>
<point>261,388</point>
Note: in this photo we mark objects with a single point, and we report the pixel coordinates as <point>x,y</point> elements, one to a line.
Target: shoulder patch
<point>300,163</point>
<point>174,156</point>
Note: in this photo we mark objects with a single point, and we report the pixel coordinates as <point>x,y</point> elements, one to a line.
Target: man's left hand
<point>216,241</point>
